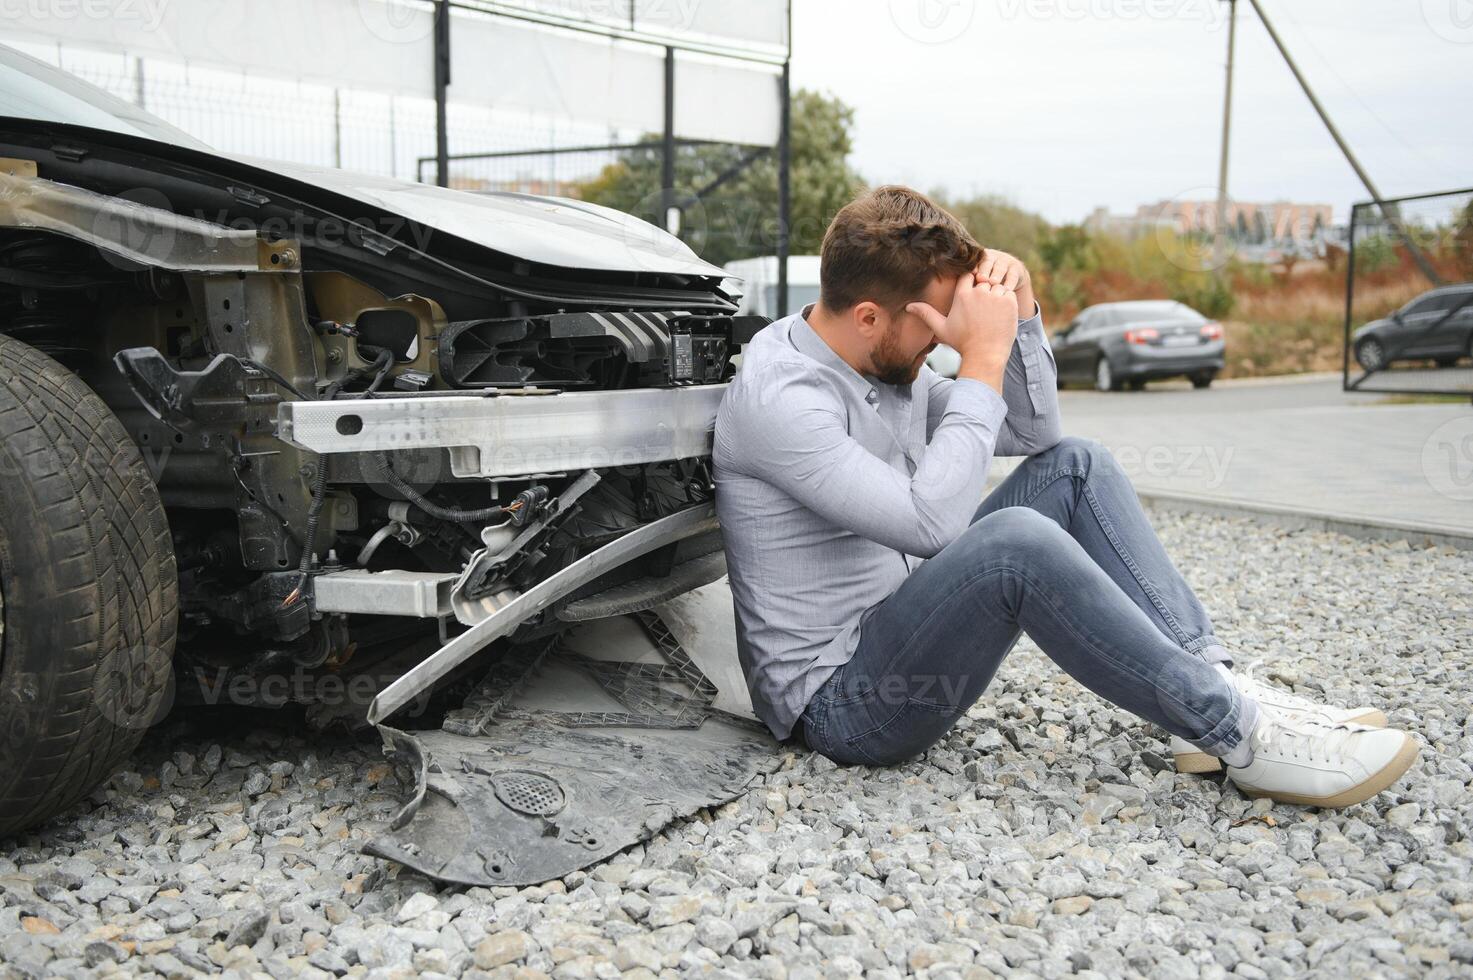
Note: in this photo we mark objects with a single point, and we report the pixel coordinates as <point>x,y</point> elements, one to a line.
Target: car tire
<point>88,590</point>
<point>1203,380</point>
<point>1105,379</point>
<point>1136,384</point>
<point>1370,354</point>
<point>1447,362</point>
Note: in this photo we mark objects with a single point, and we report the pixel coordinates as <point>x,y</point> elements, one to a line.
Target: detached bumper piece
<point>559,760</point>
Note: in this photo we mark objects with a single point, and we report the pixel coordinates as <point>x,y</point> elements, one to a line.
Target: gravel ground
<point>1045,836</point>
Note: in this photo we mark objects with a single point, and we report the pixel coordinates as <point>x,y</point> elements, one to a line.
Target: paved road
<point>1299,442</point>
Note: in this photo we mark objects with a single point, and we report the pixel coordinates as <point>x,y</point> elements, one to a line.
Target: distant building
<point>1260,232</point>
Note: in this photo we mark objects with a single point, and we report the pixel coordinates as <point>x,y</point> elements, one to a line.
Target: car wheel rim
<point>1102,376</point>
<point>1370,355</point>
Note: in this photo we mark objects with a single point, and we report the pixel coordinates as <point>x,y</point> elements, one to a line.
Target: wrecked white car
<point>375,442</point>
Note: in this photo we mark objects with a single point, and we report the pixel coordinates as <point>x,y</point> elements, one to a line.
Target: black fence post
<point>1349,300</point>
<point>784,188</point>
<point>442,82</point>
<point>667,168</point>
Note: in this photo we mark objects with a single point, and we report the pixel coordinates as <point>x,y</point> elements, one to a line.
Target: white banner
<point>496,62</point>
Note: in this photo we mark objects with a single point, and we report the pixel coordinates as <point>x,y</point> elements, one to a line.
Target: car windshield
<point>1148,312</point>
<point>31,89</point>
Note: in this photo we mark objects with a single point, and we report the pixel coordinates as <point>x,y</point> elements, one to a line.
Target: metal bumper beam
<point>396,592</point>
<point>509,434</point>
<point>640,541</point>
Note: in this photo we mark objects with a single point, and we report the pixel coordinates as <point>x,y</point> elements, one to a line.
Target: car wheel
<point>1202,380</point>
<point>1447,362</point>
<point>1370,355</point>
<point>1136,384</point>
<point>1104,377</point>
<point>88,590</point>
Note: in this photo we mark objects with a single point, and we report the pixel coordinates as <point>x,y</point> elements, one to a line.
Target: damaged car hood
<point>549,230</point>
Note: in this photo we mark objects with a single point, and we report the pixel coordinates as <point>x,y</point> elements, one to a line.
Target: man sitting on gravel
<point>841,459</point>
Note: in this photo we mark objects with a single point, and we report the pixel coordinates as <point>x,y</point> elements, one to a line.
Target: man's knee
<point>1013,530</point>
<point>1079,451</point>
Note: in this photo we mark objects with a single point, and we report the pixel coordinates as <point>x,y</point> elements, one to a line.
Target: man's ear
<point>871,320</point>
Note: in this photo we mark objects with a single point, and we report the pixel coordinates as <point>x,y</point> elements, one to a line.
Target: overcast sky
<point>1062,105</point>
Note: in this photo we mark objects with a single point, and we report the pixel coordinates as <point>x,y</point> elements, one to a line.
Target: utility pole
<point>1219,242</point>
<point>1389,212</point>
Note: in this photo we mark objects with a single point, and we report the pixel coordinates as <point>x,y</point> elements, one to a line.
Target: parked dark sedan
<point>1119,344</point>
<point>1437,325</point>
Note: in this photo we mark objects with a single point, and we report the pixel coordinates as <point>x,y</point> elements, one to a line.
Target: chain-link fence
<point>304,122</point>
<point>1409,296</point>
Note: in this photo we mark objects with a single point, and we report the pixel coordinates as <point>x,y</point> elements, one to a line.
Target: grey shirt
<point>831,484</point>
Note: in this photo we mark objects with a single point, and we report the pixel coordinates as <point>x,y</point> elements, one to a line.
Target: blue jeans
<point>1063,550</point>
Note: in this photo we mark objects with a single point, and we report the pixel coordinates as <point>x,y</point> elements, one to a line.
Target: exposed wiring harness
<point>383,361</point>
<point>518,512</point>
<point>381,461</point>
<point>276,376</point>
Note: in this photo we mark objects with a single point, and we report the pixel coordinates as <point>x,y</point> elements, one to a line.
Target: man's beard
<point>888,364</point>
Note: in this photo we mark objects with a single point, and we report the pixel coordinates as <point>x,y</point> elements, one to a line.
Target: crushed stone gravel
<point>1046,835</point>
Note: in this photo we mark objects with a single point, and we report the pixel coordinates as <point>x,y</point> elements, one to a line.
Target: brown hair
<point>888,245</point>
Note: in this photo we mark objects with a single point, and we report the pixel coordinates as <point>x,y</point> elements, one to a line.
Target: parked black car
<point>1119,344</point>
<point>1437,325</point>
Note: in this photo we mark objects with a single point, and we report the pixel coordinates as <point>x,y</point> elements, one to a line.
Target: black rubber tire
<point>1370,354</point>
<point>89,592</point>
<point>1203,380</point>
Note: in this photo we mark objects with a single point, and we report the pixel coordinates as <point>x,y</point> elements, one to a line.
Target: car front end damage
<point>400,456</point>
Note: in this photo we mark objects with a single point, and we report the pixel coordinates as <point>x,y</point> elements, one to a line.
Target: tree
<point>1463,242</point>
<point>998,223</point>
<point>740,218</point>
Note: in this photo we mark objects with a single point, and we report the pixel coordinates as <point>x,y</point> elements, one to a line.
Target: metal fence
<point>726,200</point>
<point>1409,296</point>
<point>305,122</point>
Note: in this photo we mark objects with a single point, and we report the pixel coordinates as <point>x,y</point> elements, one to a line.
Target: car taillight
<point>1141,335</point>
<point>1212,331</point>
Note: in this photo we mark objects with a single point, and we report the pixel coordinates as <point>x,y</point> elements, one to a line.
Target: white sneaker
<point>1301,760</point>
<point>1189,758</point>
